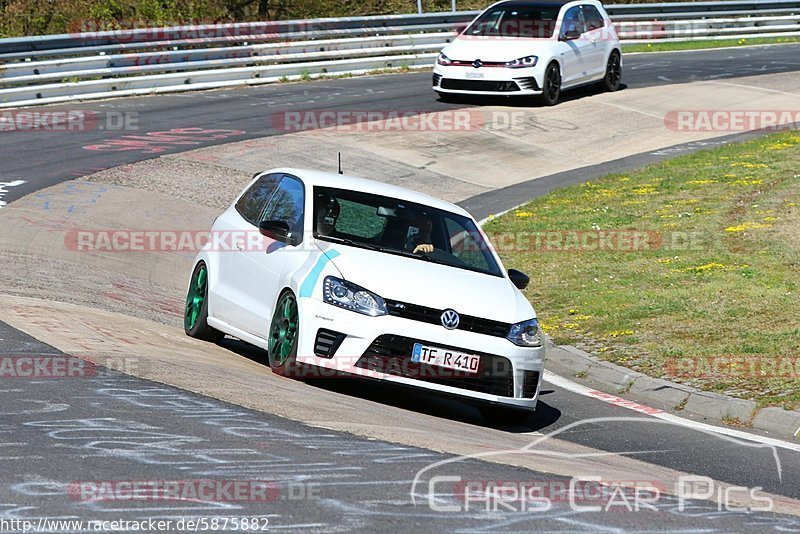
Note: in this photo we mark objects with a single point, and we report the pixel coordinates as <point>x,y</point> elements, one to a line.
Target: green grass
<point>720,278</point>
<point>699,45</point>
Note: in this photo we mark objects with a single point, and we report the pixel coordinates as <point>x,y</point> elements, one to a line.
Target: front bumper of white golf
<point>334,340</point>
<point>498,81</point>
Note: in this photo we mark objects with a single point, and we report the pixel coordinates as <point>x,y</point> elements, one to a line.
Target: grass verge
<point>700,45</point>
<point>687,270</point>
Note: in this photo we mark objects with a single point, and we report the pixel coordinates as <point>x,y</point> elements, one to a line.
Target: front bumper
<point>488,80</point>
<point>379,348</point>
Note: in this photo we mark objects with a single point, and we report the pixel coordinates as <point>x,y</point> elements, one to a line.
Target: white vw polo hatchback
<point>336,274</point>
<point>519,47</point>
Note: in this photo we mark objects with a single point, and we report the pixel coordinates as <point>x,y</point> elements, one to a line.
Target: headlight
<point>444,60</point>
<point>352,297</point>
<point>526,334</point>
<point>527,61</point>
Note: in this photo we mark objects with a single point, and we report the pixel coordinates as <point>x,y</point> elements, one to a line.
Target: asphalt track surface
<point>43,159</point>
<point>53,429</point>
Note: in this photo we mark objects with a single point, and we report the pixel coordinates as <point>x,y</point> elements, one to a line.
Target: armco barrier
<point>88,65</point>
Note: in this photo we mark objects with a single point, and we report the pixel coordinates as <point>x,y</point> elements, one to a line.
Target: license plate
<point>447,358</point>
<point>474,75</point>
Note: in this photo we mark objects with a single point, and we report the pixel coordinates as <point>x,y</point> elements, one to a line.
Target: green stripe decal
<point>307,287</point>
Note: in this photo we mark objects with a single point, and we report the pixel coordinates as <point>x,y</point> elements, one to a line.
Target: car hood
<point>433,285</point>
<point>487,49</point>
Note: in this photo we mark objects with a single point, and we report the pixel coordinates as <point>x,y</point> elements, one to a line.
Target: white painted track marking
<point>569,385</point>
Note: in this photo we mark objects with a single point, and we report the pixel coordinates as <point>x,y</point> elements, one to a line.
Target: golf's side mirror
<point>278,230</point>
<point>518,278</point>
<point>570,35</point>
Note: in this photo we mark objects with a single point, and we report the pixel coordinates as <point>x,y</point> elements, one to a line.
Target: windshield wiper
<point>400,252</point>
<point>350,242</point>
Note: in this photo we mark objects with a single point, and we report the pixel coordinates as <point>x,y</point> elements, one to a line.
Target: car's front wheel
<point>613,77</point>
<point>551,90</point>
<point>503,416</point>
<point>283,336</point>
<point>195,316</point>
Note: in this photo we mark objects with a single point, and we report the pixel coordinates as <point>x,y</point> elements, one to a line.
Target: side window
<point>572,21</point>
<point>593,18</point>
<point>287,204</point>
<point>253,201</point>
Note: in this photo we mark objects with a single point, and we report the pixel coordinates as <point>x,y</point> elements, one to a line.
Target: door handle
<point>239,246</point>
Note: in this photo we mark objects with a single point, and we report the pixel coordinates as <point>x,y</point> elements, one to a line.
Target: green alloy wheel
<point>283,334</point>
<point>196,315</point>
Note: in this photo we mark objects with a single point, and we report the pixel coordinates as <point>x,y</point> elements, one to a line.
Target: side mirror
<point>518,278</point>
<point>460,28</point>
<point>278,230</point>
<point>571,34</point>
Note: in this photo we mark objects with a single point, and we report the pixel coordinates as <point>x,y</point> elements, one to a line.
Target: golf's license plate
<point>445,358</point>
<point>474,75</point>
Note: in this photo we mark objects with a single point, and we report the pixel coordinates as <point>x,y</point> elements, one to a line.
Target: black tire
<point>551,89</point>
<point>195,314</point>
<point>613,77</point>
<point>500,415</point>
<point>284,333</point>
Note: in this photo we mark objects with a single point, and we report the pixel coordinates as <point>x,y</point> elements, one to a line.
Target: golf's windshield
<point>534,21</point>
<point>393,226</point>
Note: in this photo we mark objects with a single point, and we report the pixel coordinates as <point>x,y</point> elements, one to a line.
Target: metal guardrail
<point>88,65</point>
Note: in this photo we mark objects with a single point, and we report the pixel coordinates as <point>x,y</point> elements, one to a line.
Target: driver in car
<point>418,236</point>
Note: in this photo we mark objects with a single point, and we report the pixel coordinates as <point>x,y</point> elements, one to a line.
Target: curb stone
<point>571,361</point>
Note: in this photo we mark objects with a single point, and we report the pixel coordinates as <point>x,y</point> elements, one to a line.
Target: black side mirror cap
<point>518,278</point>
<point>278,230</point>
<point>570,35</point>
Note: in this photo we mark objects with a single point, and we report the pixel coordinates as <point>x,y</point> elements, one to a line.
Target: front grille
<point>391,354</point>
<point>530,379</point>
<point>527,84</point>
<point>463,63</point>
<point>436,79</point>
<point>479,85</point>
<point>434,316</point>
<point>327,343</point>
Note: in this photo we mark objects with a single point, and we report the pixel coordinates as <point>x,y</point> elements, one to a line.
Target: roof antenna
<point>340,163</point>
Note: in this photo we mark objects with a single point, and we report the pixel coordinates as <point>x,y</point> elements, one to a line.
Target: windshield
<point>393,226</point>
<point>533,22</point>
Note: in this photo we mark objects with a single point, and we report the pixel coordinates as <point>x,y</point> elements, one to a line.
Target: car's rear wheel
<point>613,77</point>
<point>501,415</point>
<point>551,90</point>
<point>195,316</point>
<point>283,336</point>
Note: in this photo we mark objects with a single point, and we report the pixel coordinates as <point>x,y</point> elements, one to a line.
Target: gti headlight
<point>527,61</point>
<point>352,297</point>
<point>526,334</point>
<point>444,60</point>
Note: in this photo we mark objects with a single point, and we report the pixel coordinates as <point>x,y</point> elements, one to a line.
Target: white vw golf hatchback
<point>518,47</point>
<point>335,274</point>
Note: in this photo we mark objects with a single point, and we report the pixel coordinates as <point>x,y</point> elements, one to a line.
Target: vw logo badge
<point>450,319</point>
<point>477,63</point>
